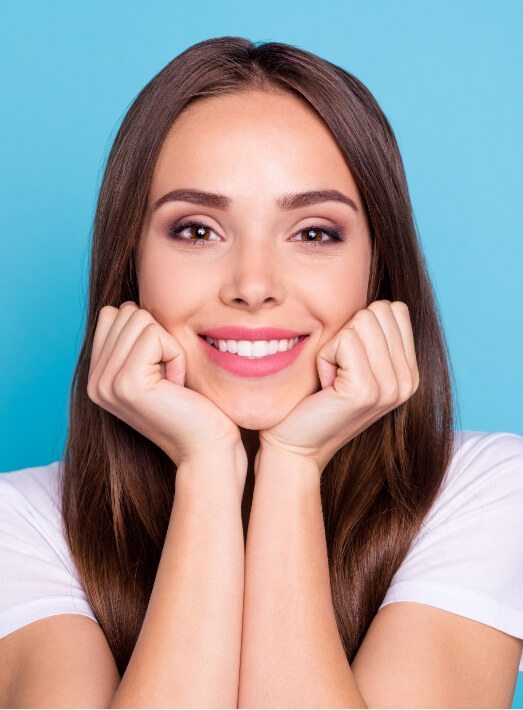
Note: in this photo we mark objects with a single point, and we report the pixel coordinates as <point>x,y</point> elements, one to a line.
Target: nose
<point>254,277</point>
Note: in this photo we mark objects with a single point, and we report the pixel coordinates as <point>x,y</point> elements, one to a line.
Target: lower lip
<point>259,367</point>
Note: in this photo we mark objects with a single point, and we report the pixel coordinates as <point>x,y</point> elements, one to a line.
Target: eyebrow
<point>287,201</point>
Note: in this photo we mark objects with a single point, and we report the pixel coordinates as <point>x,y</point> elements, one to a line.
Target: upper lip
<point>240,332</point>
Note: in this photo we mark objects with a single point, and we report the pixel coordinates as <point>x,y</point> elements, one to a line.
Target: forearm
<point>188,650</point>
<point>292,654</point>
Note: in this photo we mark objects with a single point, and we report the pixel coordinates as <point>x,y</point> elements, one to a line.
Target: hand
<point>137,373</point>
<point>366,370</point>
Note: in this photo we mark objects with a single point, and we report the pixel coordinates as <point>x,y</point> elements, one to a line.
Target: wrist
<point>217,470</point>
<point>285,465</point>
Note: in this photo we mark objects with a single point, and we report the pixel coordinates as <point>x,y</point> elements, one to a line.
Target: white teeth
<point>253,349</point>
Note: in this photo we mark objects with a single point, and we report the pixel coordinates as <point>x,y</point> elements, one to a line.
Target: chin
<point>246,415</point>
<point>262,409</point>
<point>255,421</point>
<point>250,408</point>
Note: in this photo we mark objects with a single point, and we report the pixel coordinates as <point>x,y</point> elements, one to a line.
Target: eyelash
<point>337,234</point>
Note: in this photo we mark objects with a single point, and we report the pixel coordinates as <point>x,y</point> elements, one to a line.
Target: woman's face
<point>260,265</point>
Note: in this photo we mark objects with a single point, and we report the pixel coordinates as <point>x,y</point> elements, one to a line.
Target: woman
<point>264,365</point>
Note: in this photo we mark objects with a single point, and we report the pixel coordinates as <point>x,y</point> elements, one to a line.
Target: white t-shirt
<point>467,557</point>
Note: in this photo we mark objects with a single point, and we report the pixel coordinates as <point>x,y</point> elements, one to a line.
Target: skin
<point>358,364</point>
<point>256,268</point>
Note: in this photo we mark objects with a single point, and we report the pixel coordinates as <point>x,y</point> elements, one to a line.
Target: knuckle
<point>145,316</point>
<point>348,332</point>
<point>362,317</point>
<point>138,315</point>
<point>379,305</point>
<point>91,391</point>
<point>123,386</point>
<point>151,328</point>
<point>128,308</point>
<point>391,393</point>
<point>368,393</point>
<point>399,306</point>
<point>106,311</point>
<point>104,389</point>
<point>405,391</point>
<point>408,386</point>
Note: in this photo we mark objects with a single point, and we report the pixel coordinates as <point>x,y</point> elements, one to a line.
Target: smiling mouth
<point>244,348</point>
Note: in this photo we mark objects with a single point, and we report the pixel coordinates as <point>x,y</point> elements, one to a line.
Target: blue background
<point>447,75</point>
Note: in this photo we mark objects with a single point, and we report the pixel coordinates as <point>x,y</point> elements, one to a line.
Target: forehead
<point>247,138</point>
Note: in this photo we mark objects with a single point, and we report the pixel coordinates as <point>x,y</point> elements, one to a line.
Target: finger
<point>402,315</point>
<point>122,316</point>
<point>129,333</point>
<point>343,363</point>
<point>386,316</point>
<point>106,318</point>
<point>407,379</point>
<point>153,346</point>
<point>383,312</point>
<point>374,340</point>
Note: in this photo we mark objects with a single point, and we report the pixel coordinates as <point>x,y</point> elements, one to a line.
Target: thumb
<point>326,363</point>
<point>173,356</point>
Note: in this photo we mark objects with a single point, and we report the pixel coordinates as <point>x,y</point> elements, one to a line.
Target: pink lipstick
<point>252,367</point>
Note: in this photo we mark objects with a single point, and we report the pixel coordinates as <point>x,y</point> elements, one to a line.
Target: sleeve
<point>468,556</point>
<point>36,579</point>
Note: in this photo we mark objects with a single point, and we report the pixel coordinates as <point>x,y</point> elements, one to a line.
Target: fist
<point>367,369</point>
<point>137,372</point>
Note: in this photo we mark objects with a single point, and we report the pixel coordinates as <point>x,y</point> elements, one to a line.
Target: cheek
<point>165,290</point>
<point>334,300</point>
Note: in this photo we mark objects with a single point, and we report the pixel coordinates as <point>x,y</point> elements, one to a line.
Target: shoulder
<point>480,500</point>
<point>467,556</point>
<point>479,451</point>
<point>484,468</point>
<point>34,485</point>
<point>457,593</point>
<point>30,501</point>
<point>38,576</point>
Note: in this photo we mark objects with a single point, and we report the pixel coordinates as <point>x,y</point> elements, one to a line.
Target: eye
<point>198,229</point>
<point>336,235</point>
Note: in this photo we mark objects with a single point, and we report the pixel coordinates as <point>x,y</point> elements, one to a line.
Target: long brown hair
<point>376,490</point>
